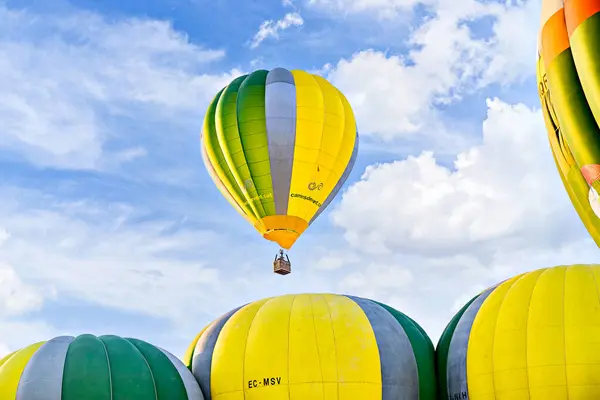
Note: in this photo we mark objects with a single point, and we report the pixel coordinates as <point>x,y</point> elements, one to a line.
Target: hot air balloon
<point>279,145</point>
<point>95,368</point>
<point>568,74</point>
<point>313,346</point>
<point>532,337</point>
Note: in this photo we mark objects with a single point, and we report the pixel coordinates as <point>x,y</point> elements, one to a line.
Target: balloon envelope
<point>568,74</point>
<point>532,337</point>
<point>314,346</point>
<point>90,367</point>
<point>279,145</point>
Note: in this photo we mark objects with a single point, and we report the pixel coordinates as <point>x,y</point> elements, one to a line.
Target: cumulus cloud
<point>55,103</point>
<point>505,190</point>
<point>397,95</point>
<point>272,29</point>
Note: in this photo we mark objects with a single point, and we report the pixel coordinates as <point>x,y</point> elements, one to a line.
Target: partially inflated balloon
<point>279,145</point>
<point>569,88</point>
<point>314,346</point>
<point>532,337</point>
<point>95,368</point>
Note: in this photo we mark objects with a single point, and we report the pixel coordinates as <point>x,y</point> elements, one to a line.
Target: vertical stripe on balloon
<point>125,361</point>
<point>310,109</point>
<point>192,390</point>
<point>331,140</point>
<point>456,367</point>
<point>203,353</point>
<point>87,367</point>
<point>43,375</point>
<point>399,377</point>
<point>164,376</point>
<point>252,129</point>
<point>423,352</point>
<point>280,111</point>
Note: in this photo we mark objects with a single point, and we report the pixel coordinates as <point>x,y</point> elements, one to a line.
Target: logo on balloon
<point>308,198</point>
<point>313,186</point>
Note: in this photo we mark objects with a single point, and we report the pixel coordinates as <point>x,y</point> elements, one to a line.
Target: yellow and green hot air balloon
<point>568,74</point>
<point>279,145</point>
<point>87,367</point>
<point>313,346</point>
<point>532,337</point>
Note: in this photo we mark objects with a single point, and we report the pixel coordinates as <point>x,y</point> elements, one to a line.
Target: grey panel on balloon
<point>43,375</point>
<point>203,352</point>
<point>191,386</point>
<point>280,113</point>
<point>339,183</point>
<point>399,374</point>
<point>456,370</point>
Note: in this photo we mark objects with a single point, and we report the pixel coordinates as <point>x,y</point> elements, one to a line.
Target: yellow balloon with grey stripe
<point>313,347</point>
<point>279,145</point>
<point>531,337</point>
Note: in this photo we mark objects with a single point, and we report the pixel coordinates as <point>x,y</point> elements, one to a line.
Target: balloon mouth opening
<point>281,229</point>
<point>594,201</point>
<point>283,237</point>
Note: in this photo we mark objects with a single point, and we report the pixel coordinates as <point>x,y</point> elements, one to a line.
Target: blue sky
<point>109,222</point>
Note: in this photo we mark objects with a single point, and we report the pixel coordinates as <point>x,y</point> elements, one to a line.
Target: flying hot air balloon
<point>568,73</point>
<point>279,145</point>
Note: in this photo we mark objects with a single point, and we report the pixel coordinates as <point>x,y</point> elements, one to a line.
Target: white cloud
<point>378,275</point>
<point>333,260</point>
<point>64,75</point>
<point>504,190</point>
<point>271,29</point>
<point>17,297</point>
<point>4,235</point>
<point>514,43</point>
<point>397,95</point>
<point>93,252</point>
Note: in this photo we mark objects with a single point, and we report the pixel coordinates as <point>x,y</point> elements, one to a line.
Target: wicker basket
<point>282,267</point>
